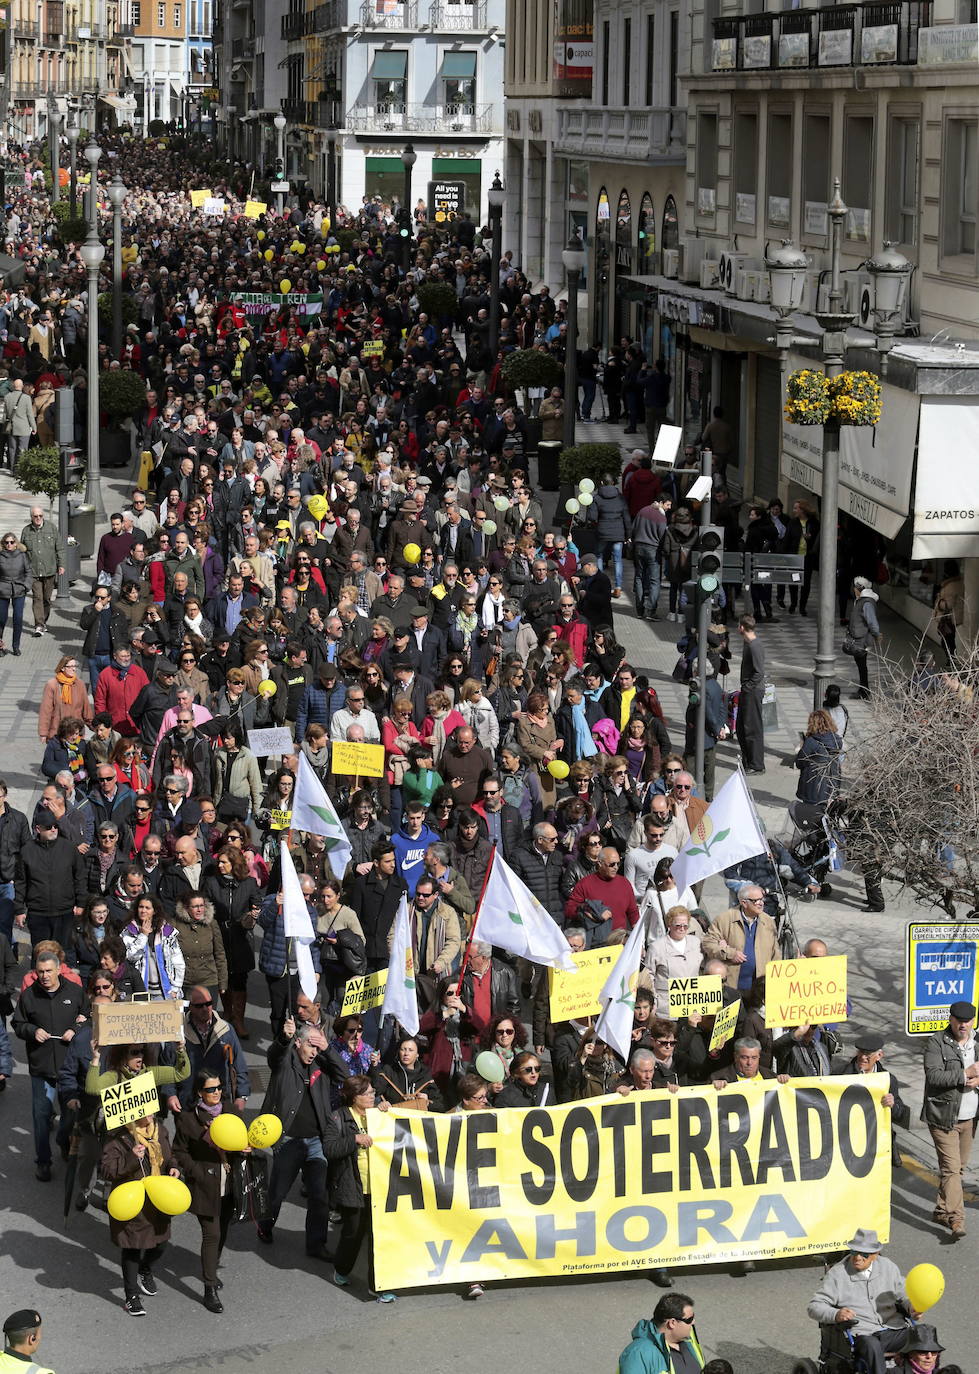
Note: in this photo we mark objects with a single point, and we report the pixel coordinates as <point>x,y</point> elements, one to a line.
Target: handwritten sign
<point>255,208</point>
<point>575,995</point>
<point>373,348</point>
<point>197,198</point>
<point>363,992</point>
<point>277,740</point>
<point>214,205</point>
<point>130,1100</point>
<point>701,995</point>
<point>725,1023</point>
<point>365,759</point>
<point>805,992</point>
<point>137,1023</point>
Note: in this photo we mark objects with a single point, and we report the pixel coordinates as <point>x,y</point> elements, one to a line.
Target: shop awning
<point>459,65</point>
<point>116,102</point>
<point>946,512</point>
<point>389,66</point>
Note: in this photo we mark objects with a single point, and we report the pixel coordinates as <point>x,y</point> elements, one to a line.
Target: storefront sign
<point>948,45</point>
<point>946,511</point>
<point>573,47</point>
<point>942,964</point>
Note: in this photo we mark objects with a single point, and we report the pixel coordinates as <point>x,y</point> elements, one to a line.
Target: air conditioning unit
<point>692,254</point>
<point>671,262</point>
<point>743,285</point>
<point>859,296</point>
<point>730,265</point>
<point>759,287</point>
<point>709,273</point>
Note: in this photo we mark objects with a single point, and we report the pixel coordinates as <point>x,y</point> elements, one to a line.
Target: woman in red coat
<point>452,1030</point>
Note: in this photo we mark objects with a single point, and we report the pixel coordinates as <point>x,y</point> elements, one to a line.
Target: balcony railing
<point>650,135</point>
<point>331,15</point>
<point>458,15</point>
<point>295,111</point>
<point>123,31</point>
<point>25,28</point>
<point>881,33</point>
<point>435,119</point>
<point>378,14</point>
<point>40,87</point>
<point>242,49</point>
<point>293,25</point>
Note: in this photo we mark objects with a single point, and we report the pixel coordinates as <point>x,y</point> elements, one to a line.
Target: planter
<point>807,398</point>
<point>856,398</point>
<point>114,448</point>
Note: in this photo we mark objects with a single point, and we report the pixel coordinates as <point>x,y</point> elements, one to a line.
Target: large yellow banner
<point>756,1171</point>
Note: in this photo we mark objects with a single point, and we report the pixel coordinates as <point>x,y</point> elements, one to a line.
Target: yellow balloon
<point>924,1285</point>
<point>558,769</point>
<point>412,553</point>
<point>228,1132</point>
<point>261,235</point>
<point>317,506</point>
<point>320,264</point>
<point>269,255</point>
<point>294,246</point>
<point>169,1195</point>
<point>325,224</point>
<point>126,1200</point>
<point>264,1131</point>
<point>285,286</point>
<point>300,248</point>
<point>266,688</point>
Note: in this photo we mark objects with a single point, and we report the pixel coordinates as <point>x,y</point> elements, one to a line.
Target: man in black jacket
<point>499,822</point>
<point>490,980</point>
<point>539,866</point>
<point>14,834</point>
<point>46,1018</point>
<point>48,882</point>
<point>374,901</point>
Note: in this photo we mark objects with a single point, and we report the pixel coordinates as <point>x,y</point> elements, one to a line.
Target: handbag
<point>851,647</point>
<point>249,1188</point>
<point>232,808</point>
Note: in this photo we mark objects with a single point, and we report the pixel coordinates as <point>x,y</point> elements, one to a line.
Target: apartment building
<point>249,57</point>
<point>63,54</point>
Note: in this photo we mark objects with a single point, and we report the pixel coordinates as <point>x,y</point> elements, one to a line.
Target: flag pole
<point>786,918</point>
<point>466,952</point>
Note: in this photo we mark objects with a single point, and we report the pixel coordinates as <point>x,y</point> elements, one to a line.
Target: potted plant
<point>531,370</point>
<point>71,228</point>
<point>807,397</point>
<point>856,398</point>
<point>122,395</point>
<point>588,460</point>
<point>39,471</point>
<point>439,301</point>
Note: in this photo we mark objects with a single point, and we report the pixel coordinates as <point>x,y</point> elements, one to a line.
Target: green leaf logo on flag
<point>515,917</point>
<point>626,997</point>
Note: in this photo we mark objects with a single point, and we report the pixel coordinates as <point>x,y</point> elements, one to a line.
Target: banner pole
<point>466,952</point>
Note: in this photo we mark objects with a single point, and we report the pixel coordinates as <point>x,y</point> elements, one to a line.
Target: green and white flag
<point>512,918</point>
<point>618,996</point>
<point>400,993</point>
<point>313,811</point>
<point>297,923</point>
<point>726,833</point>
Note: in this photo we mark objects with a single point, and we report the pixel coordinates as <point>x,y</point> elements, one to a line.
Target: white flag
<point>296,922</point>
<point>400,995</point>
<point>727,832</point>
<point>313,811</point>
<point>512,918</point>
<point>619,995</point>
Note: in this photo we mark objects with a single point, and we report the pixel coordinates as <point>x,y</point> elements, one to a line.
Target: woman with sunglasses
<point>189,674</point>
<point>525,1087</point>
<point>582,862</point>
<point>131,771</point>
<point>64,696</point>
<point>504,1037</point>
<point>376,691</point>
<point>350,1052</point>
<point>676,954</point>
<point>617,802</point>
<point>15,582</point>
<point>451,678</point>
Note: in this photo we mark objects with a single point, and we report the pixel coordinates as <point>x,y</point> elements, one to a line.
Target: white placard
<point>214,205</point>
<point>667,445</point>
<point>277,740</point>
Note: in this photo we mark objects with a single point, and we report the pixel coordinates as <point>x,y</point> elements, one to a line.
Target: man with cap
<point>951,1107</point>
<point>594,593</point>
<point>868,1059</point>
<point>406,529</point>
<point>865,1294</point>
<point>21,1338</point>
<point>428,643</point>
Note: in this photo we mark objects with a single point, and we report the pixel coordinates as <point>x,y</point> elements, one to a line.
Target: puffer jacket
<point>202,947</point>
<point>678,541</point>
<point>15,573</point>
<point>610,514</point>
<point>863,625</point>
<point>818,761</point>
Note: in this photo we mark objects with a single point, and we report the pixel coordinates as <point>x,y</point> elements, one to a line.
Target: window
<point>626,59</point>
<point>745,167</point>
<point>161,15</point>
<point>901,209</point>
<point>135,8</point>
<point>176,16</point>
<point>779,163</point>
<point>674,53</point>
<point>389,75</point>
<point>459,81</point>
<point>650,58</point>
<point>858,175</point>
<point>706,163</point>
<point>816,130</point>
<point>960,190</point>
<point>606,29</point>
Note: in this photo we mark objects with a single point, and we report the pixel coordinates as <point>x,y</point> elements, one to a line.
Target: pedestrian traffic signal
<point>72,468</point>
<point>711,549</point>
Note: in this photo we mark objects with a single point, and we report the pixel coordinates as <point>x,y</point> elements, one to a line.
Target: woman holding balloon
<point>138,1158</point>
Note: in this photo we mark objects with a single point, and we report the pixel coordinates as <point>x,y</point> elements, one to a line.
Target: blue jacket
<point>273,954</point>
<point>649,1352</point>
<point>317,706</point>
<point>410,854</point>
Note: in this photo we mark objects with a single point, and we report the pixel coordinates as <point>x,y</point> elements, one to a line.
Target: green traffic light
<point>708,584</point>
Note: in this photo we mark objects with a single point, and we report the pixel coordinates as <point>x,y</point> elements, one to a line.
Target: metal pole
<point>54,119</point>
<point>570,358</point>
<point>703,628</point>
<point>406,220</point>
<point>73,161</point>
<point>117,281</point>
<point>93,477</point>
<point>280,199</point>
<point>496,224</point>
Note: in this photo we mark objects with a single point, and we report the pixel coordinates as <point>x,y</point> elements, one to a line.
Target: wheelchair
<point>837,1354</point>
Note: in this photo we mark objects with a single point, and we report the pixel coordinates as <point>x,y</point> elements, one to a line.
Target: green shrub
<point>526,367</point>
<point>589,460</point>
<point>156,128</point>
<point>438,300</point>
<point>122,394</point>
<point>346,238</point>
<point>39,471</point>
<point>71,228</point>
<point>130,310</point>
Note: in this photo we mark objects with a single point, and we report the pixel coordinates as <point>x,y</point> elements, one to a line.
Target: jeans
<point>588,388</point>
<point>44,1096</point>
<point>646,566</point>
<point>7,910</point>
<point>50,927</point>
<point>607,547</point>
<point>97,664</point>
<point>291,1156</point>
<point>18,617</point>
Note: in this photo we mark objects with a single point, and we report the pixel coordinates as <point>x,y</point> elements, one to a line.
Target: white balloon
<point>586,484</point>
<point>489,526</point>
<point>586,498</point>
<point>572,506</point>
<point>501,503</point>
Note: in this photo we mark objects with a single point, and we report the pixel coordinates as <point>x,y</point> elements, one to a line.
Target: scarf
<point>66,685</point>
<point>120,669</point>
<point>466,623</point>
<point>149,1136</point>
<point>584,744</point>
<point>208,1109</point>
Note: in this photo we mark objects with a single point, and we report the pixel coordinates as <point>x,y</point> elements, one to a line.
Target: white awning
<point>116,102</point>
<point>946,495</point>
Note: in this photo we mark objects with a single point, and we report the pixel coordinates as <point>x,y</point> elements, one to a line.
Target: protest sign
<point>276,740</point>
<point>574,996</point>
<point>756,1171</point>
<point>805,992</point>
<point>365,759</point>
<point>373,348</point>
<point>363,992</point>
<point>725,1024</point>
<point>214,205</point>
<point>264,302</point>
<point>130,1100</point>
<point>255,208</point>
<point>137,1023</point>
<point>197,198</point>
<point>701,995</point>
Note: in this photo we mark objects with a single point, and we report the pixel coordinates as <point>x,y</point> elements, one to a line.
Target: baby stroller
<point>820,846</point>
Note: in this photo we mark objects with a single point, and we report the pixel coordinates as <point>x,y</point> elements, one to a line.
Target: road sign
<point>941,968</point>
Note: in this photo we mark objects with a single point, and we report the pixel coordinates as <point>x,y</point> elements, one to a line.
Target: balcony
<point>292,25</point>
<point>295,111</point>
<point>421,119</point>
<point>242,49</point>
<point>25,28</point>
<point>324,18</point>
<point>457,16</point>
<point>862,35</point>
<point>52,40</point>
<point>651,135</point>
<point>378,14</point>
<point>123,31</point>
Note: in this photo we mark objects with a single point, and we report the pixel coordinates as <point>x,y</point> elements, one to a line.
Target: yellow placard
<point>754,1171</point>
<point>137,1023</point>
<point>255,208</point>
<point>701,995</point>
<point>800,992</point>
<point>725,1024</point>
<point>373,348</point>
<point>280,820</point>
<point>363,992</point>
<point>575,995</point>
<point>130,1100</point>
<point>365,759</point>
<point>197,198</point>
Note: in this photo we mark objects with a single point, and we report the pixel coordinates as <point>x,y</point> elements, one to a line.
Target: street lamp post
<point>71,133</point>
<point>54,129</point>
<point>573,257</point>
<point>117,195</point>
<point>93,155</point>
<point>408,159</point>
<point>890,272</point>
<point>495,196</point>
<point>92,253</point>
<point>280,157</point>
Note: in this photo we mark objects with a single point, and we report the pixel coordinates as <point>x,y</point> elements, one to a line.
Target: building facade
<point>64,55</point>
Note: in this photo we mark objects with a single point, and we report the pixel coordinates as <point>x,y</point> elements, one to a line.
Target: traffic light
<point>72,468</point>
<point>710,545</point>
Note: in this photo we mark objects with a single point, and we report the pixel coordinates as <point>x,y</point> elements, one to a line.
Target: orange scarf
<point>66,685</point>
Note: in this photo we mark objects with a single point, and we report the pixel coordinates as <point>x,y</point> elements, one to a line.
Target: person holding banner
<point>131,1153</point>
<point>406,1082</point>
<point>345,1145</point>
<point>524,1087</point>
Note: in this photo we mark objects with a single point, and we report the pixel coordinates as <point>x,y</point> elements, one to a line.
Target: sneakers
<point>393,1297</point>
<point>134,1307</point>
<point>475,1290</point>
<point>341,1280</point>
<point>38,631</point>
<point>147,1283</point>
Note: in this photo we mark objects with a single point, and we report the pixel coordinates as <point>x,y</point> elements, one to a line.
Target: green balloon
<point>490,1067</point>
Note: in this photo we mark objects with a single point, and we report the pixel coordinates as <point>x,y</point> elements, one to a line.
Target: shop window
<point>389,80</point>
<point>458,77</point>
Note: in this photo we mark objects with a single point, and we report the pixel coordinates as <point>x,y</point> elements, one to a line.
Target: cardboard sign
<point>276,740</point>
<point>130,1101</point>
<point>574,996</point>
<point>214,205</point>
<point>701,995</point>
<point>137,1023</point>
<point>725,1023</point>
<point>255,208</point>
<point>365,759</point>
<point>197,198</point>
<point>363,992</point>
<point>805,992</point>
<point>942,968</point>
<point>373,348</point>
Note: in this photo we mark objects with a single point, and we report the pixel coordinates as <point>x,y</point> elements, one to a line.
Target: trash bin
<point>81,524</point>
<point>548,453</point>
<point>73,560</point>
